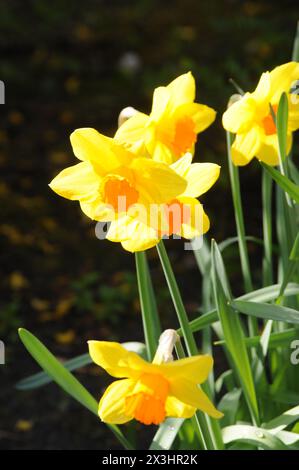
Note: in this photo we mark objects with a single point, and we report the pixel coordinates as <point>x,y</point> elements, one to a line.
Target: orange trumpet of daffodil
<point>171,128</point>
<point>251,117</point>
<point>149,392</point>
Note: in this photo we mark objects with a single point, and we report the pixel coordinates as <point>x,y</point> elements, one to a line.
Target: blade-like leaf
<point>233,332</point>
<point>150,318</point>
<point>276,340</point>
<point>282,421</point>
<point>42,378</point>
<point>166,434</point>
<point>285,183</point>
<point>261,295</point>
<point>229,405</point>
<point>252,435</point>
<point>64,378</point>
<point>282,125</point>
<point>267,311</point>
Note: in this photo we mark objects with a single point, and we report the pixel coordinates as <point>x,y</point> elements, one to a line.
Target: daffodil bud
<point>126,114</point>
<point>167,342</point>
<point>233,99</point>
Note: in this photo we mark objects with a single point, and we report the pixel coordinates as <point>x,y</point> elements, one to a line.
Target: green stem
<point>239,217</point>
<point>150,319</point>
<point>202,420</point>
<point>267,185</point>
<point>295,54</point>
<point>177,301</point>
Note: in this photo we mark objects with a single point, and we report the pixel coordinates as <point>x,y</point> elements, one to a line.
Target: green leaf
<point>56,370</point>
<point>232,240</point>
<point>287,397</point>
<point>42,378</point>
<point>290,439</point>
<point>229,404</point>
<point>293,170</point>
<point>261,295</point>
<point>233,332</point>
<point>252,435</point>
<point>150,318</point>
<point>285,183</point>
<point>295,54</point>
<point>282,421</point>
<point>166,434</point>
<point>267,189</point>
<point>276,339</point>
<point>282,125</point>
<point>225,379</point>
<point>294,255</point>
<point>290,267</point>
<point>202,256</point>
<point>206,432</point>
<point>267,311</point>
<point>64,378</point>
<point>270,293</point>
<point>239,216</point>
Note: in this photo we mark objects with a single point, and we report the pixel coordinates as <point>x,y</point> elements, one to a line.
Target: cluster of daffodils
<point>143,180</point>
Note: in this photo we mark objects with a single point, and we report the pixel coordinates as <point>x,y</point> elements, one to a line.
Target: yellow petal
<point>293,123</point>
<point>182,90</point>
<point>135,245</point>
<point>160,152</point>
<point>182,165</point>
<point>77,182</point>
<point>262,91</point>
<point>194,369</point>
<point>132,133</point>
<point>133,234</point>
<point>97,210</point>
<point>177,409</point>
<point>268,151</point>
<point>90,145</point>
<point>115,359</point>
<point>190,394</point>
<point>246,146</point>
<point>198,223</point>
<point>156,182</point>
<point>240,115</point>
<point>201,115</point>
<point>200,178</point>
<point>120,229</point>
<point>161,99</point>
<point>282,79</point>
<point>112,406</point>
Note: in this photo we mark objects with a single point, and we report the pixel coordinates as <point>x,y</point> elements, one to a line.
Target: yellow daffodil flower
<point>110,180</point>
<point>149,392</point>
<point>171,128</point>
<point>250,118</point>
<point>183,216</point>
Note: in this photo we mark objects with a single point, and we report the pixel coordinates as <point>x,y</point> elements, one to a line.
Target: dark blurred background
<point>77,64</point>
